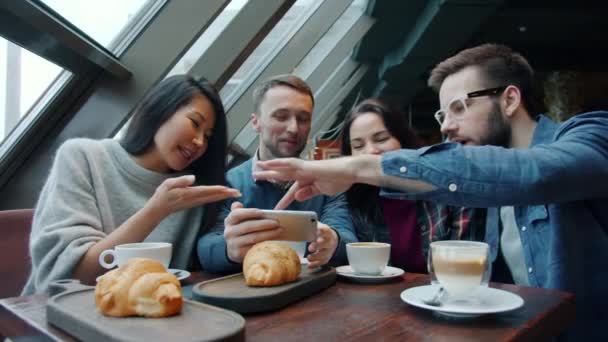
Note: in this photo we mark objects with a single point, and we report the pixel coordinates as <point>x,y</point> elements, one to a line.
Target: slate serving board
<point>232,292</point>
<point>74,311</point>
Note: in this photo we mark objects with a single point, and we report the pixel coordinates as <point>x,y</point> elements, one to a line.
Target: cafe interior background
<point>73,68</point>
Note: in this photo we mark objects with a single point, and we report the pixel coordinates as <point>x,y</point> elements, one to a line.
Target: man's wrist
<point>367,169</point>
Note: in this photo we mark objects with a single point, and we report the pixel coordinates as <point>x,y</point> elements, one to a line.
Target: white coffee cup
<point>159,251</point>
<point>368,258</point>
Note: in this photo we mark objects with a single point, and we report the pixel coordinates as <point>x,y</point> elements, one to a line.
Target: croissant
<point>271,263</point>
<point>141,287</point>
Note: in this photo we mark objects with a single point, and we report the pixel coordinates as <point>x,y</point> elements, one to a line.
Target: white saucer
<point>180,274</point>
<point>388,273</point>
<point>488,301</point>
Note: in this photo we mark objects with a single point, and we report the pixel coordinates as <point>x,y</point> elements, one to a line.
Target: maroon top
<point>406,247</point>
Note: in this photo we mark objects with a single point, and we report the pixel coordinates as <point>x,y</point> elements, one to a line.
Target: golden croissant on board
<point>271,263</point>
<point>141,287</point>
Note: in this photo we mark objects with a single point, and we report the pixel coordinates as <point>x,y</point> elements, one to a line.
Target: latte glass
<point>461,267</point>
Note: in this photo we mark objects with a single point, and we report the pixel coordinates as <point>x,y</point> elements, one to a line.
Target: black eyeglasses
<point>458,107</point>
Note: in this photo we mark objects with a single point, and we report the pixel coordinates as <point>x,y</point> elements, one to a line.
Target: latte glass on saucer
<point>461,267</point>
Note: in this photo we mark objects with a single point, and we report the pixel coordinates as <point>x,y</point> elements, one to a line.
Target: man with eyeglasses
<point>543,183</point>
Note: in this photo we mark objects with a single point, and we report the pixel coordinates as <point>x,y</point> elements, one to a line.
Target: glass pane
<point>100,20</point>
<point>25,79</point>
<point>208,37</point>
<point>247,136</point>
<point>331,38</point>
<point>291,22</point>
<point>199,47</point>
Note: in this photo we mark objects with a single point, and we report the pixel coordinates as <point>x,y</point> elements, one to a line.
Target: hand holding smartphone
<point>297,225</point>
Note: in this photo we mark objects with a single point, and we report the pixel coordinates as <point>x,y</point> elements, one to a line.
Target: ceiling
<point>410,37</point>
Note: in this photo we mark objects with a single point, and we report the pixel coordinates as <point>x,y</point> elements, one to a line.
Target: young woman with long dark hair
<point>159,183</point>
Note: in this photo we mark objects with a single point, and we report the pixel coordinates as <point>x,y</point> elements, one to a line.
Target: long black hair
<point>361,198</point>
<point>158,105</point>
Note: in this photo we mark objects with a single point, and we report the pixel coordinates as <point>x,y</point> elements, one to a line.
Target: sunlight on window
<point>331,38</point>
<point>25,77</point>
<point>100,20</point>
<point>291,22</point>
<point>199,47</point>
<point>209,36</point>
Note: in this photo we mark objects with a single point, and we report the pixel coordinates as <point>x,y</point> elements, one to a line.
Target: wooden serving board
<point>75,312</point>
<point>232,292</point>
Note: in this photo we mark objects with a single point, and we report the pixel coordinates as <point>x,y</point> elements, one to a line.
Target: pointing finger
<point>288,198</point>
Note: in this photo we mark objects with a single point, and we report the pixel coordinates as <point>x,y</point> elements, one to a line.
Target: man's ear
<point>512,100</point>
<point>255,122</point>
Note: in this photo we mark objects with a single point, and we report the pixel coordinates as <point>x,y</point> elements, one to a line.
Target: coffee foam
<point>459,265</point>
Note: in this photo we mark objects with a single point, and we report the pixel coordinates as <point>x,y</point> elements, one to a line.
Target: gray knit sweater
<point>93,187</point>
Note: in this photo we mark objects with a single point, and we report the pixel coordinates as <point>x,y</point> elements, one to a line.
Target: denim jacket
<point>559,188</point>
<point>332,211</point>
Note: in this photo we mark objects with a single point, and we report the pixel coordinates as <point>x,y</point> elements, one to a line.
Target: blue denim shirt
<point>559,188</point>
<point>332,211</point>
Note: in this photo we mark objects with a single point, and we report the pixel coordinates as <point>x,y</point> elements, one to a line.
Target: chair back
<point>15,227</point>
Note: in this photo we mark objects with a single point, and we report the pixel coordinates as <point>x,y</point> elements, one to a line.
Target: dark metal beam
<point>443,27</point>
<point>395,20</point>
<point>31,26</point>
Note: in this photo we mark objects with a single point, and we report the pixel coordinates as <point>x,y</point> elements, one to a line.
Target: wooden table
<point>350,311</point>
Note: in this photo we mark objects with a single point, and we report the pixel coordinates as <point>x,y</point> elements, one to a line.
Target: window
<point>27,81</point>
<point>291,22</point>
<point>318,60</point>
<point>103,21</point>
<point>96,99</point>
<point>204,41</point>
<point>219,51</point>
<point>333,36</point>
<point>202,44</point>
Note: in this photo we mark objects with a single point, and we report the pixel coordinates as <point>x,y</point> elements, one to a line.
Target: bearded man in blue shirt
<point>282,118</point>
<point>544,183</point>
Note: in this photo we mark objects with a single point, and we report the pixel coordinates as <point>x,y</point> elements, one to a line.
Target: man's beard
<point>276,153</point>
<point>499,130</point>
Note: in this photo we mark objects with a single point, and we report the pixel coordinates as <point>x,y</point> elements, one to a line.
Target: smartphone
<point>297,225</point>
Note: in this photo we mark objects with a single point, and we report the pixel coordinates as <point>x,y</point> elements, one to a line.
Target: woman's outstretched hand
<point>175,194</point>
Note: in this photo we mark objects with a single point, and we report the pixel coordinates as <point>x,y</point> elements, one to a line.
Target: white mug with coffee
<point>159,251</point>
<point>460,266</point>
<point>368,258</point>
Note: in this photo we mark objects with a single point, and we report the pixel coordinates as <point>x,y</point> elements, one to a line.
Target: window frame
<point>238,40</point>
<point>37,28</point>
